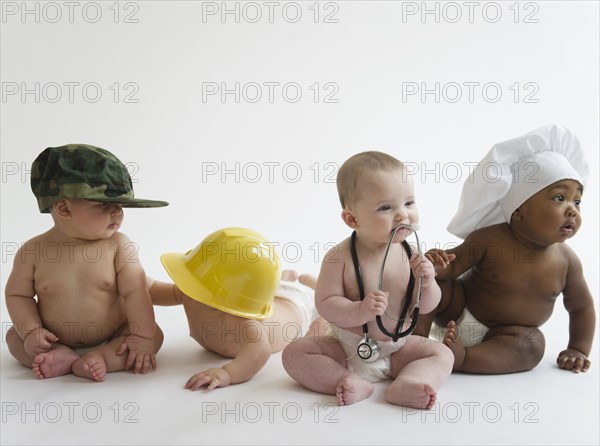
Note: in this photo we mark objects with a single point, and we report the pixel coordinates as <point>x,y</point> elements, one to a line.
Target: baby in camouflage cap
<point>93,313</point>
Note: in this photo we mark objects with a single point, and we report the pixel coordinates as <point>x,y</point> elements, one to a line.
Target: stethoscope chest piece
<point>368,349</point>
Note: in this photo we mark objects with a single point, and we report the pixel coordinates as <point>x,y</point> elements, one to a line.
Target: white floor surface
<point>544,406</point>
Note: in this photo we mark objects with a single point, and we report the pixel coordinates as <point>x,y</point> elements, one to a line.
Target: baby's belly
<point>509,310</point>
<point>495,303</point>
<point>84,327</point>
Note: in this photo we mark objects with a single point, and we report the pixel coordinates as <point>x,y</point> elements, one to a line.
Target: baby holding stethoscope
<point>371,339</point>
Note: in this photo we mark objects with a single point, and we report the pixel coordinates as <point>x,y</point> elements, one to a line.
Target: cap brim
<point>175,265</point>
<point>131,202</point>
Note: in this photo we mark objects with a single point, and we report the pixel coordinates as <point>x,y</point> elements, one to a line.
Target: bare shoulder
<point>31,251</point>
<point>489,233</point>
<point>338,253</point>
<point>120,238</point>
<point>331,276</point>
<point>566,252</point>
<point>45,237</point>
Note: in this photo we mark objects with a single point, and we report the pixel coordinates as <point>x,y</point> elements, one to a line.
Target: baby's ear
<point>349,218</point>
<point>61,209</point>
<point>516,215</point>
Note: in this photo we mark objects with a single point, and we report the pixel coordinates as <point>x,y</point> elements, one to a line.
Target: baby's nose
<point>116,209</point>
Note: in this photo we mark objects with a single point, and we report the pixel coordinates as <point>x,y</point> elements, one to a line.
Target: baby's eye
<point>559,198</point>
<point>409,203</point>
<point>385,207</point>
<point>577,202</point>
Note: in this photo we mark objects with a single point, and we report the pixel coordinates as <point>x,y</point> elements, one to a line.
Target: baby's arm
<point>162,293</point>
<point>451,263</point>
<point>131,280</point>
<point>582,317</point>
<point>22,307</point>
<point>254,353</point>
<point>330,298</point>
<point>430,291</point>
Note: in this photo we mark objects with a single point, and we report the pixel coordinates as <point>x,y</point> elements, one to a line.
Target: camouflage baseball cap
<point>83,171</point>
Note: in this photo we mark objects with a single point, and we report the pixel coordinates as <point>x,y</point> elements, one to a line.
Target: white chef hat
<point>513,171</point>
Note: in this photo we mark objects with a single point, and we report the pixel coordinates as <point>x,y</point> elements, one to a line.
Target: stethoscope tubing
<point>400,334</point>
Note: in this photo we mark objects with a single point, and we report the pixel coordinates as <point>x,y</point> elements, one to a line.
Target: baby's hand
<point>573,360</point>
<point>141,353</point>
<point>210,378</point>
<point>422,267</point>
<point>374,304</point>
<point>439,258</point>
<point>39,341</point>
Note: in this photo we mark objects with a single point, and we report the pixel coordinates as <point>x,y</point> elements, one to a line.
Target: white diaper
<point>301,296</point>
<point>470,330</point>
<point>371,371</point>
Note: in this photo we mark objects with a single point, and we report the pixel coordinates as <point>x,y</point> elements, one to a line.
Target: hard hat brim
<point>176,266</point>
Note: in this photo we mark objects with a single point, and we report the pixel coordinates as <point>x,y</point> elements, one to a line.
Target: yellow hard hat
<point>235,270</point>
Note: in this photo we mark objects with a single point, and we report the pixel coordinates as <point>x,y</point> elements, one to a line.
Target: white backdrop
<point>238,114</point>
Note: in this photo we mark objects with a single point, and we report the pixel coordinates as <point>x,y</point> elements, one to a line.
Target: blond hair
<point>355,167</point>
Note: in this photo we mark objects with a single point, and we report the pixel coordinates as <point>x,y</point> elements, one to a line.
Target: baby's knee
<point>159,338</point>
<point>12,339</point>
<point>445,355</point>
<point>533,346</point>
<point>291,353</point>
<point>11,333</point>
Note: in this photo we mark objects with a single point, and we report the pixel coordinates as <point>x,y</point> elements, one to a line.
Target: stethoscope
<point>369,349</point>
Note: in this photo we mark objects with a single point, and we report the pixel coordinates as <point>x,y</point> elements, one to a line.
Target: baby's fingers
<point>433,258</point>
<point>50,337</point>
<point>142,361</point>
<point>131,357</point>
<point>197,381</point>
<point>574,363</point>
<point>586,365</point>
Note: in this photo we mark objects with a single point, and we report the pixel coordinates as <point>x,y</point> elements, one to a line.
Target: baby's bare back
<point>76,286</point>
<point>515,285</point>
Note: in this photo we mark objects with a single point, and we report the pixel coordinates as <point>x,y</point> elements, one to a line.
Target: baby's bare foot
<point>352,389</point>
<point>454,342</point>
<point>411,393</point>
<point>289,275</point>
<point>308,280</point>
<point>91,366</point>
<point>56,362</point>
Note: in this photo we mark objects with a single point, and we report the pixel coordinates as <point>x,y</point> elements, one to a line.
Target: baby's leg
<point>451,306</point>
<point>308,280</point>
<point>56,361</point>
<point>507,349</point>
<point>17,348</point>
<point>289,275</point>
<point>319,364</point>
<point>419,367</point>
<point>97,363</point>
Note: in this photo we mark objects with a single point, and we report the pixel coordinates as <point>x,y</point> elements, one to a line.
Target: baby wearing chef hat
<point>518,207</point>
